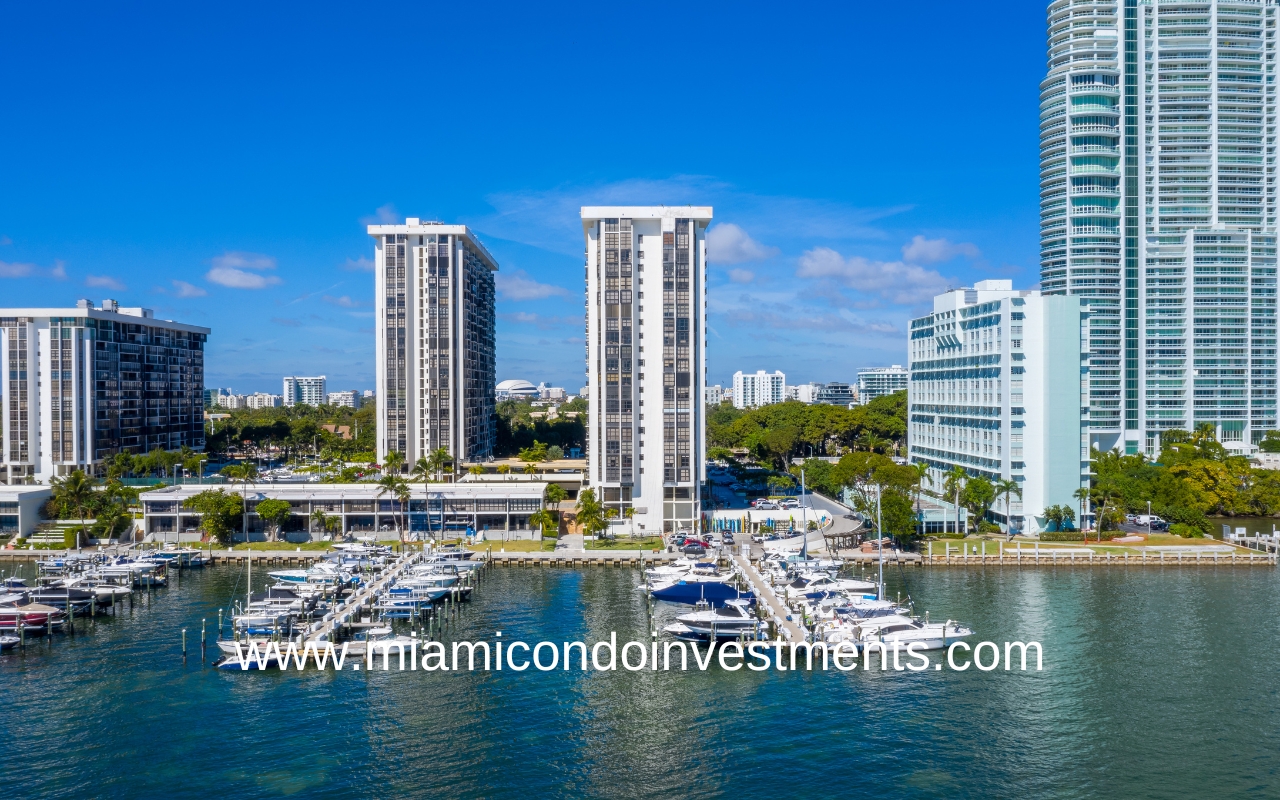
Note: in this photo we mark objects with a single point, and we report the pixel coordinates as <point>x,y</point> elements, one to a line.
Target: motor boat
<point>690,589</point>
<point>820,584</point>
<point>729,621</point>
<point>8,642</point>
<point>897,628</point>
<point>17,610</point>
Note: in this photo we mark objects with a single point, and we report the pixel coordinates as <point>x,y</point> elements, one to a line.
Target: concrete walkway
<point>571,542</point>
<point>764,594</point>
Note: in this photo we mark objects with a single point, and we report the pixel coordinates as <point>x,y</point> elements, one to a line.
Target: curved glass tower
<point>1158,211</point>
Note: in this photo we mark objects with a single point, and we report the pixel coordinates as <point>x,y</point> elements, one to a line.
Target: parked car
<point>768,505</point>
<point>727,538</point>
<point>693,550</point>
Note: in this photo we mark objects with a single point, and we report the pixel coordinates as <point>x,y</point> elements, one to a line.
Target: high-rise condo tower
<point>1158,210</point>
<point>435,333</point>
<point>646,334</point>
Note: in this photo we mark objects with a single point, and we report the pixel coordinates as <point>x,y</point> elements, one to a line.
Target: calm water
<point>1157,683</point>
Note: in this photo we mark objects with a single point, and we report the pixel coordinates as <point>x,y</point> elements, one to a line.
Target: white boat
<point>897,628</point>
<point>733,619</point>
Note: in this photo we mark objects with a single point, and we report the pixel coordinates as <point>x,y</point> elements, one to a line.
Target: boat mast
<point>804,525</point>
<point>879,545</point>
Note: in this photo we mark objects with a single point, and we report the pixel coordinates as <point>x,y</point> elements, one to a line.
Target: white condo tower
<point>1158,210</point>
<point>646,372</point>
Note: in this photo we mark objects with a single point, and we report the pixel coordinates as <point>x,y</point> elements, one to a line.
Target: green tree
<point>218,512</point>
<point>395,486</point>
<point>319,520</point>
<point>592,518</point>
<point>535,454</point>
<point>274,513</point>
<point>555,494</point>
<point>246,474</point>
<point>977,497</point>
<point>393,463</point>
<point>953,482</point>
<point>75,491</point>
<point>1006,489</point>
<point>475,469</point>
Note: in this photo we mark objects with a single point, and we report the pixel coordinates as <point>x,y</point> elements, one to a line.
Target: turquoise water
<point>1158,683</point>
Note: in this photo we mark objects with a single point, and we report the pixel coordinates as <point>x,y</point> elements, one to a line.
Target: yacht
<point>733,619</point>
<point>897,628</point>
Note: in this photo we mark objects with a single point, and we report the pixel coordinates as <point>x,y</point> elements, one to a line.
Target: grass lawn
<point>621,543</point>
<point>517,546</point>
<point>290,546</point>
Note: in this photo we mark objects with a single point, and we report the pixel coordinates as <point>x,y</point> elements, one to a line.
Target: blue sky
<point>218,163</point>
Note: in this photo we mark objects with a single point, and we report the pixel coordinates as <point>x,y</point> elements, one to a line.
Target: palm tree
<point>1007,488</point>
<point>504,470</point>
<point>921,478</point>
<point>393,462</point>
<point>245,473</point>
<point>423,469</point>
<point>629,512</point>
<point>319,520</point>
<point>530,469</point>
<point>475,469</point>
<point>546,518</point>
<point>76,491</point>
<point>872,443</point>
<point>398,488</point>
<point>952,484</point>
<point>1083,494</point>
<point>438,459</point>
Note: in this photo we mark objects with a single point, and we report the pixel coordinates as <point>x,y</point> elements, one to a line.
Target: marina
<point>129,671</point>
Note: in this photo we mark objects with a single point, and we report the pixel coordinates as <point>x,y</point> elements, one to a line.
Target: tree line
<point>296,430</point>
<point>776,433</point>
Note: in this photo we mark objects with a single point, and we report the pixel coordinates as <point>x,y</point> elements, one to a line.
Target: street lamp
<point>1148,518</point>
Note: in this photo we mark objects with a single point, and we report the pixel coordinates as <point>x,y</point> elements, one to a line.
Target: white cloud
<point>384,215</point>
<point>237,259</point>
<point>550,218</point>
<point>184,289</point>
<point>11,270</point>
<point>895,281</point>
<point>229,270</point>
<point>360,264</point>
<point>729,244</point>
<point>930,251</point>
<point>104,282</point>
<point>239,279</point>
<point>741,275</point>
<point>344,301</point>
<point>519,286</point>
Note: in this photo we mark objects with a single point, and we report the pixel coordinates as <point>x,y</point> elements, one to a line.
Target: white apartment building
<point>1158,210</point>
<point>263,400</point>
<point>646,438</point>
<point>751,390</point>
<point>349,399</point>
<point>993,389</point>
<point>879,381</point>
<point>232,401</point>
<point>435,332</point>
<point>305,391</point>
<point>78,385</point>
<point>803,392</point>
<point>715,395</point>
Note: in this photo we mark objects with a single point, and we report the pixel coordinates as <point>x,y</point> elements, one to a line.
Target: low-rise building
<point>263,400</point>
<point>994,390</point>
<point>715,395</point>
<point>499,509</point>
<point>233,401</point>
<point>20,509</point>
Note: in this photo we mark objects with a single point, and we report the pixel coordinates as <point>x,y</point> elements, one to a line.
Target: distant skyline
<point>220,165</point>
